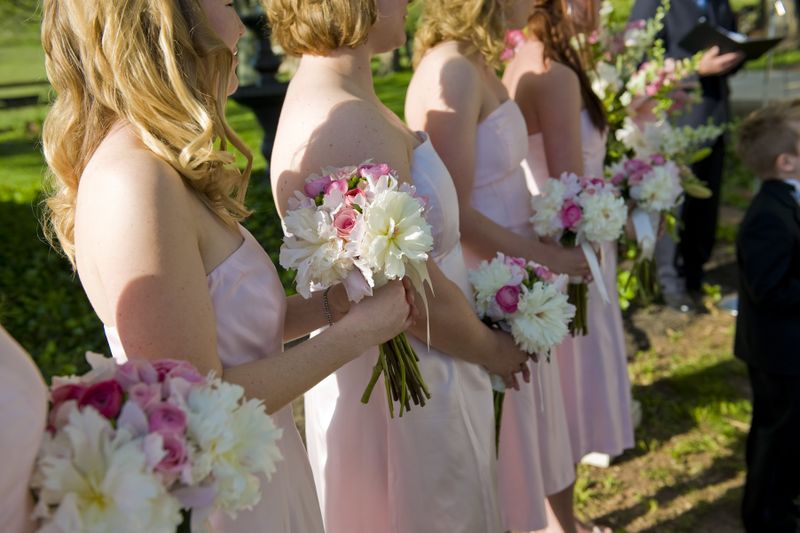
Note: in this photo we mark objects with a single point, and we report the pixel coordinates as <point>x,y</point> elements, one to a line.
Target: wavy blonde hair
<point>478,23</point>
<point>155,65</point>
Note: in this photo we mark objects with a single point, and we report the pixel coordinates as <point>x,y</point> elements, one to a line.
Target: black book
<point>705,35</point>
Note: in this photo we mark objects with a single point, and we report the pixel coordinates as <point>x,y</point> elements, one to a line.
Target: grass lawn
<point>685,473</point>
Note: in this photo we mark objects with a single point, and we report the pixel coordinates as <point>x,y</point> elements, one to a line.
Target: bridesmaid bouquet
<point>359,226</point>
<point>683,146</point>
<point>583,212</point>
<point>653,186</point>
<point>525,299</point>
<point>149,447</point>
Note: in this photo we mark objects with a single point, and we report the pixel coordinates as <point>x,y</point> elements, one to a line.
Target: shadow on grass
<point>671,405</point>
<point>723,468</point>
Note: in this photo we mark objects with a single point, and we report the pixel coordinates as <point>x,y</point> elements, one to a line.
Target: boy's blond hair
<point>767,133</point>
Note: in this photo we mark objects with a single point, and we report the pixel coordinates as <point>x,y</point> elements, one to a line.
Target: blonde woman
<point>23,411</point>
<point>566,133</point>
<point>479,131</point>
<point>146,203</point>
<point>433,469</point>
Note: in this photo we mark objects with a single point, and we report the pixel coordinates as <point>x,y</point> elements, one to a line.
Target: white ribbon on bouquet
<point>594,266</point>
<point>644,226</point>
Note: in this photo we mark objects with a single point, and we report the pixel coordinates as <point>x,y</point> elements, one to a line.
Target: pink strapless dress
<point>250,307</point>
<point>433,470</point>
<point>534,458</point>
<point>594,368</point>
<point>23,412</point>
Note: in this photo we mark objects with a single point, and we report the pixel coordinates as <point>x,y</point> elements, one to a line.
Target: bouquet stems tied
<point>398,363</point>
<point>499,397</point>
<point>577,295</point>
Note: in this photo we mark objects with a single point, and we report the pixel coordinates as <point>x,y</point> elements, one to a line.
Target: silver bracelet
<point>326,307</point>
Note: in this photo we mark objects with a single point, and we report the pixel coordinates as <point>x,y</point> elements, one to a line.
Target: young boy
<point>768,324</point>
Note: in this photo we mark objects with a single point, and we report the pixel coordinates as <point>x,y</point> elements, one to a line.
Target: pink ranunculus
<point>175,454</point>
<point>144,394</point>
<point>658,159</point>
<point>617,179</point>
<point>508,298</point>
<point>374,171</point>
<point>166,418</point>
<point>70,391</point>
<point>340,185</point>
<point>105,396</point>
<point>571,214</point>
<point>317,186</point>
<point>344,221</point>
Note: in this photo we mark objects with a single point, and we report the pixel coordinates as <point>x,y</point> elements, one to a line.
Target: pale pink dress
<point>594,371</point>
<point>534,458</point>
<point>23,412</point>
<point>433,470</point>
<point>250,307</point>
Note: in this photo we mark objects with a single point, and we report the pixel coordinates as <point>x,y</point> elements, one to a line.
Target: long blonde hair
<point>155,65</point>
<point>478,23</point>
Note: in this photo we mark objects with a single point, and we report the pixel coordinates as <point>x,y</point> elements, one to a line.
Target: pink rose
<point>70,391</point>
<point>543,273</point>
<point>617,179</point>
<point>316,187</point>
<point>658,159</point>
<point>508,298</point>
<point>345,221</point>
<point>374,171</point>
<point>136,371</point>
<point>340,185</point>
<point>105,396</point>
<point>352,195</point>
<point>515,261</point>
<point>166,418</point>
<point>175,455</point>
<point>144,395</point>
<point>177,368</point>
<point>571,214</point>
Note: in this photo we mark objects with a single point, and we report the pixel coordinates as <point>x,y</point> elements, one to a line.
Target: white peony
<point>100,481</point>
<point>486,280</point>
<point>395,234</point>
<point>541,320</point>
<point>605,80</point>
<point>547,208</point>
<point>604,216</point>
<point>313,247</point>
<point>660,188</point>
<point>235,443</point>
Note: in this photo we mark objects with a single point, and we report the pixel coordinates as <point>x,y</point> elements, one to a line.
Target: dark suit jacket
<point>768,257</point>
<point>681,18</point>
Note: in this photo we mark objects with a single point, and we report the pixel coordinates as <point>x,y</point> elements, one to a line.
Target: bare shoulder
<point>444,72</point>
<point>125,186</point>
<point>341,131</point>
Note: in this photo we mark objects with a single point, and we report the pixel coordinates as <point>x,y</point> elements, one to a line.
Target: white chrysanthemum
<point>313,248</point>
<point>604,216</point>
<point>99,481</point>
<point>236,442</point>
<point>542,318</point>
<point>547,207</point>
<point>660,188</point>
<point>486,280</point>
<point>395,233</point>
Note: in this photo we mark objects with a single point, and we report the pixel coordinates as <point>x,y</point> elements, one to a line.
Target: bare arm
<point>553,101</point>
<point>143,242</point>
<point>306,315</point>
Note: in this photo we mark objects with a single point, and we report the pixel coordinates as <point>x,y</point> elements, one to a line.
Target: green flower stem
<point>499,397</point>
<point>382,359</point>
<point>577,295</point>
<point>376,373</point>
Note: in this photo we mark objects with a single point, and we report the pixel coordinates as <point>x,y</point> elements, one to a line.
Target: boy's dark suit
<point>699,216</point>
<point>768,340</point>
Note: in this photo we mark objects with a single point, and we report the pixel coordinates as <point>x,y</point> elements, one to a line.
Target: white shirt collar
<point>795,183</point>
